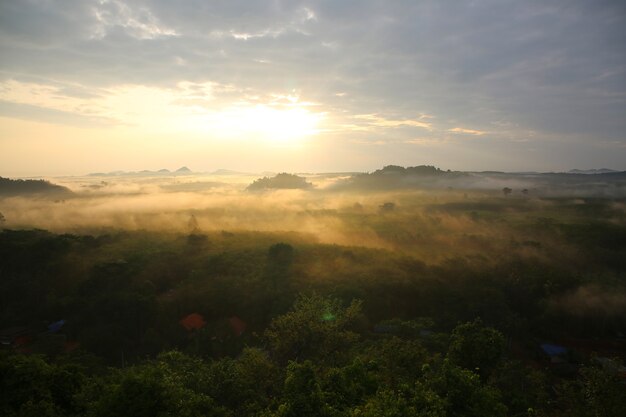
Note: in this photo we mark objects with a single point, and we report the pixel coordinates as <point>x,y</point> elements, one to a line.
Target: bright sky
<point>287,85</point>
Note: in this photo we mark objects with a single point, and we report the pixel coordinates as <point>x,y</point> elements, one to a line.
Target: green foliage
<point>302,395</point>
<point>32,387</point>
<point>596,393</point>
<point>317,327</point>
<point>398,361</point>
<point>349,386</point>
<point>279,261</point>
<point>172,385</point>
<point>523,388</point>
<point>463,393</point>
<point>524,265</point>
<point>477,348</point>
<point>416,401</point>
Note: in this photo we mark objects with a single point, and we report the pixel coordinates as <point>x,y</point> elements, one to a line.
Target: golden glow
<point>192,109</point>
<point>280,126</point>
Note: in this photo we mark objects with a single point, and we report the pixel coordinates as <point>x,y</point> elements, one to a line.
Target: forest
<point>333,297</point>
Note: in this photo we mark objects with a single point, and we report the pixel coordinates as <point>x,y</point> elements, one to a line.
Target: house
<point>556,353</point>
<point>13,336</point>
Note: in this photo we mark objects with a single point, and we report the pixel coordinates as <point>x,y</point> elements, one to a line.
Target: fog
<point>430,220</point>
<point>593,299</point>
<point>167,204</point>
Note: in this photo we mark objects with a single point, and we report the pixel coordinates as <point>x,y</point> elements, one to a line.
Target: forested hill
<point>280,181</point>
<point>9,187</point>
<point>395,177</point>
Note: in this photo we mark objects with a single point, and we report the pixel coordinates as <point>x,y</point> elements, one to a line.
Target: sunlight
<point>275,125</point>
<point>190,109</point>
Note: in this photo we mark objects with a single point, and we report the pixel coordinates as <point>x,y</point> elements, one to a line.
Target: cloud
<point>47,115</point>
<point>378,121</point>
<point>139,22</point>
<point>556,69</point>
<point>465,131</point>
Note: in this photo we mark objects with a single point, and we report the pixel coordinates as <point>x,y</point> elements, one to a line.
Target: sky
<point>311,86</point>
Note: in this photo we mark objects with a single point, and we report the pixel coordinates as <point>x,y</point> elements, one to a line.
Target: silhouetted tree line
<point>280,181</point>
<point>16,187</point>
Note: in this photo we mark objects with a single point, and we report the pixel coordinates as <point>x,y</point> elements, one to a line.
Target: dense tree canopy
<point>94,325</point>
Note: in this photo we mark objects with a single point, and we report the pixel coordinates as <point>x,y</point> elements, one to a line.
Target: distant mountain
<point>592,171</point>
<point>228,172</point>
<point>110,174</point>
<point>282,181</point>
<point>164,171</point>
<point>9,187</point>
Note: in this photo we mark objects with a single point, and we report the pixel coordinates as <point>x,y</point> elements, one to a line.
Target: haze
<point>315,86</point>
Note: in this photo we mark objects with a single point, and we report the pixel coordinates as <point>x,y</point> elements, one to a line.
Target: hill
<point>280,181</point>
<point>592,171</point>
<point>397,177</point>
<point>10,187</point>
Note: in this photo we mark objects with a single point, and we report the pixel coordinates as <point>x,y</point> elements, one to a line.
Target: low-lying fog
<point>168,203</point>
<point>473,216</point>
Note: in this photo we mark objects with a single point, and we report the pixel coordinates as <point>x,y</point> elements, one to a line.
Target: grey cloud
<point>46,115</point>
<point>38,25</point>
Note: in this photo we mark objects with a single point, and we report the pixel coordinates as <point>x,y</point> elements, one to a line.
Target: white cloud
<point>466,131</point>
<point>374,120</point>
<point>139,22</point>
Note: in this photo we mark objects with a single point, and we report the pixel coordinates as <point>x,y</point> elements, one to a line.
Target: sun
<point>274,125</point>
<point>280,126</point>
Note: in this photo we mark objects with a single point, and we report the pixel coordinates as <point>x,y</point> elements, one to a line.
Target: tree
<point>280,181</point>
<point>279,260</point>
<point>596,392</point>
<point>346,387</point>
<point>31,386</point>
<point>317,327</point>
<point>302,395</point>
<point>416,401</point>
<point>166,387</point>
<point>476,347</point>
<point>192,224</point>
<point>280,254</point>
<point>399,361</point>
<point>506,191</point>
<point>463,393</point>
<point>525,387</point>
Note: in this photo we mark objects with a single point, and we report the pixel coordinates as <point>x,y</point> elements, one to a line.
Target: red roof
<point>238,325</point>
<point>194,321</point>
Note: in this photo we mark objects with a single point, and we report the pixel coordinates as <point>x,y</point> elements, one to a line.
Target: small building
<point>193,321</point>
<point>12,336</point>
<point>237,325</point>
<point>556,353</point>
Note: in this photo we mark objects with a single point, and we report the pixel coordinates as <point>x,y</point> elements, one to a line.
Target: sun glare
<point>274,125</point>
